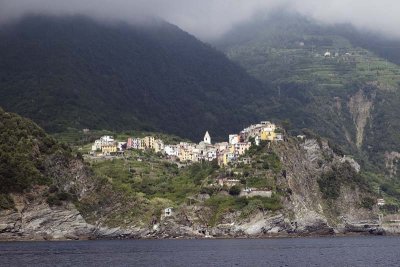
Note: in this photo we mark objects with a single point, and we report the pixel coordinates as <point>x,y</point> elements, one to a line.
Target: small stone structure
<point>255,192</point>
<point>168,212</point>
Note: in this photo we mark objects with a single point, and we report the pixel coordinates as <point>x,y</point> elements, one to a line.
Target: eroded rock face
<point>360,107</point>
<point>392,160</point>
<point>304,165</point>
<point>36,220</point>
<point>70,175</point>
<point>305,211</point>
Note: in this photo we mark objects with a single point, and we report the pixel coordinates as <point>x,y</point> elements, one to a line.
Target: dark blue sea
<point>338,251</point>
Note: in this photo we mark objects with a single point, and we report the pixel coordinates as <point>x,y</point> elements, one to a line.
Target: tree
<point>235,190</point>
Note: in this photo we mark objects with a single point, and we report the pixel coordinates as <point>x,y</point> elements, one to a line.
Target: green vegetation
<point>235,190</point>
<point>286,52</point>
<point>6,202</point>
<point>220,205</point>
<point>154,177</point>
<point>312,91</point>
<point>78,138</point>
<point>331,181</point>
<point>74,72</point>
<point>130,189</point>
<point>153,183</point>
<point>24,148</point>
<point>25,152</point>
<point>368,203</point>
<point>56,197</point>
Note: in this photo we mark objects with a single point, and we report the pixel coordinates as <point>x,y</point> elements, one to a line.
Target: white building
<point>207,138</point>
<point>107,140</point>
<point>234,139</point>
<point>121,146</point>
<point>103,141</point>
<point>172,150</point>
<point>257,140</point>
<point>222,146</point>
<point>279,137</point>
<point>211,154</point>
<point>268,126</point>
<point>96,146</point>
<point>301,137</point>
<point>168,212</point>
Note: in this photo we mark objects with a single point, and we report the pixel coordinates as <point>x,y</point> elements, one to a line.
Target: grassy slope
<point>155,183</point>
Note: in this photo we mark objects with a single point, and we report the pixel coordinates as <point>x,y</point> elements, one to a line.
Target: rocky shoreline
<point>45,223</point>
<point>304,212</point>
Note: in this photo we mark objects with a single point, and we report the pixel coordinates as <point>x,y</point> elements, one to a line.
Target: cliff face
<point>305,209</point>
<point>360,108</point>
<point>306,163</point>
<point>34,219</point>
<point>48,193</point>
<point>47,211</point>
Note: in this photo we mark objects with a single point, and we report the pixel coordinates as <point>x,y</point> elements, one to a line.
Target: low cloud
<point>209,19</point>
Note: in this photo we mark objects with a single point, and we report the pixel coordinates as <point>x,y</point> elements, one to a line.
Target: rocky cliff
<point>49,193</point>
<point>306,211</point>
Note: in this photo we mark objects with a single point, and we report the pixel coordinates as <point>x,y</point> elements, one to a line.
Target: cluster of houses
<point>106,145</point>
<point>223,152</point>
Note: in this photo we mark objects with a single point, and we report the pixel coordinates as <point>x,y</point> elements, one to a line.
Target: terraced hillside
<point>304,60</point>
<point>324,81</point>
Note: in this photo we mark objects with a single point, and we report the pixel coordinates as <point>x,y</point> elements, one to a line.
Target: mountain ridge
<point>325,79</point>
<point>80,73</point>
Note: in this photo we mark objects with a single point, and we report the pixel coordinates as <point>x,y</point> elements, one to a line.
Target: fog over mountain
<point>209,19</point>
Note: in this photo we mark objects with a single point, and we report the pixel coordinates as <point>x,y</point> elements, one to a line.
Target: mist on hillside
<point>209,19</point>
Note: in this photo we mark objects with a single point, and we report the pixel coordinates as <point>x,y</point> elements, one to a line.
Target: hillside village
<point>224,152</point>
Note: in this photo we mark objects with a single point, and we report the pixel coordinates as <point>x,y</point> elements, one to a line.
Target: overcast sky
<point>208,19</point>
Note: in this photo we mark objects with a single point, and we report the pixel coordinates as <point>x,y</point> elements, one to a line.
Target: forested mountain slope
<point>76,72</point>
<point>327,79</point>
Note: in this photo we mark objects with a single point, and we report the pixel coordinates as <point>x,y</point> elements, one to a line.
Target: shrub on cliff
<point>331,181</point>
<point>6,202</point>
<point>234,190</point>
<point>24,148</point>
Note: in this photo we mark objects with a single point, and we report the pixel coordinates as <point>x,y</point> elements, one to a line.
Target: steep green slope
<point>351,96</point>
<point>76,72</point>
<point>23,149</point>
<point>25,152</point>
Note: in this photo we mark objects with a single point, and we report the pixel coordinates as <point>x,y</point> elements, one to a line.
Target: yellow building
<point>148,142</point>
<point>268,132</point>
<point>185,155</point>
<point>108,149</point>
<point>194,157</point>
<point>225,159</point>
<point>158,145</point>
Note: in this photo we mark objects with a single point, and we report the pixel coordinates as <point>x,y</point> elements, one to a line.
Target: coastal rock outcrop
<point>35,220</point>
